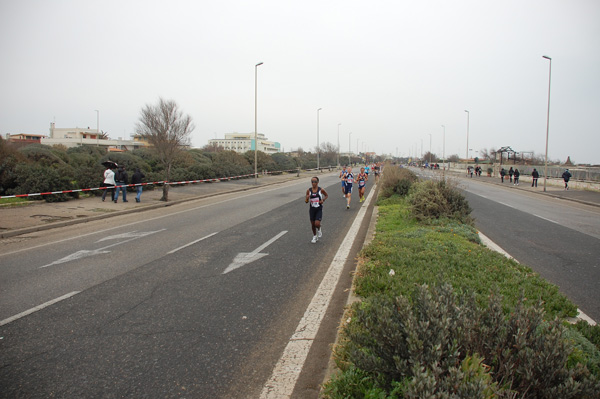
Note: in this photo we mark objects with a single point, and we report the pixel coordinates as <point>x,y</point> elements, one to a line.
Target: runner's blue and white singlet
<point>349,178</point>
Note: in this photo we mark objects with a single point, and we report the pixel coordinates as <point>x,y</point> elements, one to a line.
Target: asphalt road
<point>559,239</point>
<point>196,300</point>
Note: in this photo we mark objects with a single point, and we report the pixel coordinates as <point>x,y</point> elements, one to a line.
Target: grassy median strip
<point>442,316</point>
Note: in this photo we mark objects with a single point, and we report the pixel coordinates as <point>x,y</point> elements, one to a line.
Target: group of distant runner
<point>316,195</point>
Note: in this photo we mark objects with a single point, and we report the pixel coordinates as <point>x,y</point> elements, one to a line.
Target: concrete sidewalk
<point>31,216</point>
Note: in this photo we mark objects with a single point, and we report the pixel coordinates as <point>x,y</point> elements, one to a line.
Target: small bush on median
<point>441,345</point>
<point>432,199</point>
<point>397,180</point>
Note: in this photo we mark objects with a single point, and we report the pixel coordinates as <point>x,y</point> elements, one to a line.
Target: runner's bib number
<point>314,202</point>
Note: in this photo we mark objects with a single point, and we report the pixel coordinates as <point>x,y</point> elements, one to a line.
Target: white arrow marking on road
<point>131,234</point>
<point>243,258</point>
<point>87,253</point>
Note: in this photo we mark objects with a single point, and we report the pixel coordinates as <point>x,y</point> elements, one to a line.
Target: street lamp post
<point>547,120</point>
<point>97,127</point>
<point>468,116</point>
<point>318,145</point>
<point>255,124</point>
<point>338,150</point>
<point>349,148</point>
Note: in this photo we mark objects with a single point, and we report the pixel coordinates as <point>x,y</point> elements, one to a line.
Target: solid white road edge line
<point>39,307</point>
<point>546,219</point>
<point>191,243</point>
<point>492,245</point>
<point>288,368</point>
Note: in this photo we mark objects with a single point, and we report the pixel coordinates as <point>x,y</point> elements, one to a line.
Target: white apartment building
<point>74,137</point>
<point>242,142</point>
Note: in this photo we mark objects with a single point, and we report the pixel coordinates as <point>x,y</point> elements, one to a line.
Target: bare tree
<point>167,130</point>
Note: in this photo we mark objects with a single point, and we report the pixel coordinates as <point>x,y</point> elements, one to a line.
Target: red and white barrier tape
<point>134,185</point>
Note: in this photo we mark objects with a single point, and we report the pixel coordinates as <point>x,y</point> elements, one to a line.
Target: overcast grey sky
<point>391,72</point>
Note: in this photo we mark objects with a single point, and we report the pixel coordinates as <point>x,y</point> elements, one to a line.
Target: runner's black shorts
<point>315,213</point>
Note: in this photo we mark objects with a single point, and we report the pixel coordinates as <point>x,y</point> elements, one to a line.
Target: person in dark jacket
<point>534,177</point>
<point>121,179</point>
<point>516,175</point>
<point>566,177</point>
<point>511,172</point>
<point>137,178</point>
<point>502,174</point>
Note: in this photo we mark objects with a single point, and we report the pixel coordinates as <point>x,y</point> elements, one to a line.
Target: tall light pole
<point>97,127</point>
<point>318,145</point>
<point>338,157</point>
<point>349,148</point>
<point>468,115</point>
<point>255,123</point>
<point>547,120</point>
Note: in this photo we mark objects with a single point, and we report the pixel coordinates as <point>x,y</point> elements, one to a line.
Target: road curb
<point>331,366</point>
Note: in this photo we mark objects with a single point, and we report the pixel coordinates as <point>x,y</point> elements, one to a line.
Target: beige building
<point>74,137</point>
<point>242,142</point>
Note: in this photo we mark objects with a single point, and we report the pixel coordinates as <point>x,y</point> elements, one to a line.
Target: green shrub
<point>584,351</point>
<point>35,178</point>
<point>592,333</point>
<point>440,345</point>
<point>397,181</point>
<point>432,199</point>
<point>41,155</point>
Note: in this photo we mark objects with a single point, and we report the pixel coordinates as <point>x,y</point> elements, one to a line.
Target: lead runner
<point>316,196</point>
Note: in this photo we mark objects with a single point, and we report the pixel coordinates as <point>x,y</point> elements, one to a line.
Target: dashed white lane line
<point>39,307</point>
<point>285,374</point>
<point>492,245</point>
<point>191,243</point>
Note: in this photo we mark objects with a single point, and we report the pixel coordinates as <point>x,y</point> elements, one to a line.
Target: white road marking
<point>243,258</point>
<point>505,204</point>
<point>39,307</point>
<point>285,374</point>
<point>134,235</point>
<point>549,220</point>
<point>492,245</point>
<point>191,243</point>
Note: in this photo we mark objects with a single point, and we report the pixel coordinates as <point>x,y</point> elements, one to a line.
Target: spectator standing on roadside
<point>137,179</point>
<point>534,176</point>
<point>566,177</point>
<point>121,179</point>
<point>109,183</point>
<point>511,172</point>
<point>502,174</point>
<point>516,175</point>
